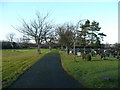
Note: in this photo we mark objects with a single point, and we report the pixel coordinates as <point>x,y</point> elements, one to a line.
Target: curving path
<point>46,73</point>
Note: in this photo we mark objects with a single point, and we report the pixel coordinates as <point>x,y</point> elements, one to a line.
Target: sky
<point>106,13</point>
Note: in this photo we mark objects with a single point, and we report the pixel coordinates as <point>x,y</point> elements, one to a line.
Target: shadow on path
<point>46,73</point>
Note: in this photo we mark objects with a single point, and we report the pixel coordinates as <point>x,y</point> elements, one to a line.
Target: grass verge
<point>91,73</point>
<point>16,62</point>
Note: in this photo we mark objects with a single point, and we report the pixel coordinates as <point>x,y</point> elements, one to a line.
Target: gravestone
<point>78,53</point>
<point>70,51</point>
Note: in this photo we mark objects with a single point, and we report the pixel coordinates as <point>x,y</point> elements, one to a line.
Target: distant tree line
<point>7,45</point>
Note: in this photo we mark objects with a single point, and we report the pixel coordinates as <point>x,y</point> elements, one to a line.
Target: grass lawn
<point>91,73</point>
<point>15,62</point>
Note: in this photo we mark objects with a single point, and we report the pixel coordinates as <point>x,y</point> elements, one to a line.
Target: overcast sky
<point>106,13</point>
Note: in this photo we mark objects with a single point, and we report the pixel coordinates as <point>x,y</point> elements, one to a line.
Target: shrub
<point>118,57</point>
<point>83,55</point>
<point>103,56</point>
<point>88,57</point>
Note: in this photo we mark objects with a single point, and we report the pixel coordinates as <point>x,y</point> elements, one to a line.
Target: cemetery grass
<point>15,62</point>
<point>91,73</point>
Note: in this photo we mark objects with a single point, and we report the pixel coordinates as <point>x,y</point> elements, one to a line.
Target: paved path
<point>46,73</point>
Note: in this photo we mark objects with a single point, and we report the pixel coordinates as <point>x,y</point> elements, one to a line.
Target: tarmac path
<point>46,73</point>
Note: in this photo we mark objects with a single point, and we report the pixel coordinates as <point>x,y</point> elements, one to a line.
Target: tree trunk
<point>39,51</point>
<point>67,49</point>
<point>12,45</point>
<point>74,53</point>
<point>50,47</point>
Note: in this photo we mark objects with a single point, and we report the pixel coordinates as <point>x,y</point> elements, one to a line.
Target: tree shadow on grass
<point>104,60</point>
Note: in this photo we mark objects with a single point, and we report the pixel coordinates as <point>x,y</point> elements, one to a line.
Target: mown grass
<point>16,62</point>
<point>91,73</point>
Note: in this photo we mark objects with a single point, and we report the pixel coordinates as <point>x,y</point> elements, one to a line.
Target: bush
<point>103,56</point>
<point>118,57</point>
<point>88,57</point>
<point>83,56</point>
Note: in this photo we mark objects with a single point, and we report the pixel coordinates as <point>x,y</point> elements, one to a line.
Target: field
<point>15,62</point>
<point>92,74</point>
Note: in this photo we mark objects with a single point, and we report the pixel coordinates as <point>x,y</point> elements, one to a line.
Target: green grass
<point>90,73</point>
<point>16,62</point>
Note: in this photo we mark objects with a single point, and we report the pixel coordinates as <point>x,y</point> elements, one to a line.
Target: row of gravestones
<point>103,53</point>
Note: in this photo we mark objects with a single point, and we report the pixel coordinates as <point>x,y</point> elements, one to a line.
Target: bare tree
<point>23,41</point>
<point>51,39</point>
<point>66,35</point>
<point>37,29</point>
<point>10,38</point>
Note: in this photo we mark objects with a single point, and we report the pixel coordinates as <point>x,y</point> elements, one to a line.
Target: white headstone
<point>78,53</point>
<point>70,52</point>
